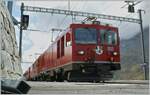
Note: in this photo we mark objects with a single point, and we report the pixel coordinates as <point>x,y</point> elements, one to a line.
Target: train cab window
<point>68,39</point>
<point>111,37</point>
<point>86,36</point>
<point>62,46</point>
<point>108,37</point>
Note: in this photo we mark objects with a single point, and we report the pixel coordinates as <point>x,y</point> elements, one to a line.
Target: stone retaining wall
<point>10,60</point>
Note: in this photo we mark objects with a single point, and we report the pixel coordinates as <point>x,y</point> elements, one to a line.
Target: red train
<point>85,52</point>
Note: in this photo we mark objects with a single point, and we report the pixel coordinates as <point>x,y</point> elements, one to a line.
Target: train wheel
<point>103,81</point>
<point>35,78</point>
<point>68,76</point>
<point>96,81</point>
<point>54,77</point>
<point>60,75</point>
<point>42,77</point>
<point>65,76</point>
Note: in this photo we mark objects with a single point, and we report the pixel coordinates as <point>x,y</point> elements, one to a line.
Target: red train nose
<point>85,59</point>
<point>111,59</point>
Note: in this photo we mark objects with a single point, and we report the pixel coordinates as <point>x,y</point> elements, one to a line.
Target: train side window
<point>58,49</point>
<point>68,39</point>
<point>62,46</point>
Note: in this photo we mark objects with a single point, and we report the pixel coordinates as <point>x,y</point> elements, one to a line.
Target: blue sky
<point>37,41</point>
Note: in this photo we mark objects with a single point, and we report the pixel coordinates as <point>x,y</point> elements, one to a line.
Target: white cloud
<point>41,41</point>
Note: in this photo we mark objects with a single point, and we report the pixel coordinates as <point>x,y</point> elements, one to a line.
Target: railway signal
<point>131,5</point>
<point>25,21</point>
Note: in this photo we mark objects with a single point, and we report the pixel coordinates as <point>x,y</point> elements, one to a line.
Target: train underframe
<point>80,72</point>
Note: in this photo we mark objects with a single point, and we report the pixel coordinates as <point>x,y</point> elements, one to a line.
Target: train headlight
<point>115,53</point>
<point>81,52</point>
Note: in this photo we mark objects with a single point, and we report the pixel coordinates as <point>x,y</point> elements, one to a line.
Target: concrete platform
<point>139,87</point>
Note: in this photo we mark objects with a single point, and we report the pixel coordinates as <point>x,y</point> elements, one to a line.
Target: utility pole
<point>143,45</point>
<point>69,8</point>
<point>69,5</point>
<point>52,36</point>
<point>21,29</point>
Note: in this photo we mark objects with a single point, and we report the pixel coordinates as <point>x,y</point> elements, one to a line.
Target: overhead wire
<point>81,8</point>
<point>131,14</point>
<point>66,16</point>
<point>62,21</point>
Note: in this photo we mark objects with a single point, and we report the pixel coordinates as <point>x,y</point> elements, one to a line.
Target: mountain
<point>132,57</point>
<point>131,49</point>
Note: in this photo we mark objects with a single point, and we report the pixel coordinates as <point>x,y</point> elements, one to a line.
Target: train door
<point>62,47</point>
<point>103,45</point>
<point>68,40</point>
<point>29,77</point>
<point>58,49</point>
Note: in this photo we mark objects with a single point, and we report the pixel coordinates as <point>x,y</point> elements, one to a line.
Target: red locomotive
<point>85,52</point>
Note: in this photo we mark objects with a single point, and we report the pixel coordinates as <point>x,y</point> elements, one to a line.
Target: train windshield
<point>108,37</point>
<point>86,35</point>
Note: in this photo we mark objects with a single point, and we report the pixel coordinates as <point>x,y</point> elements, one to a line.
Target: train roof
<point>89,24</point>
